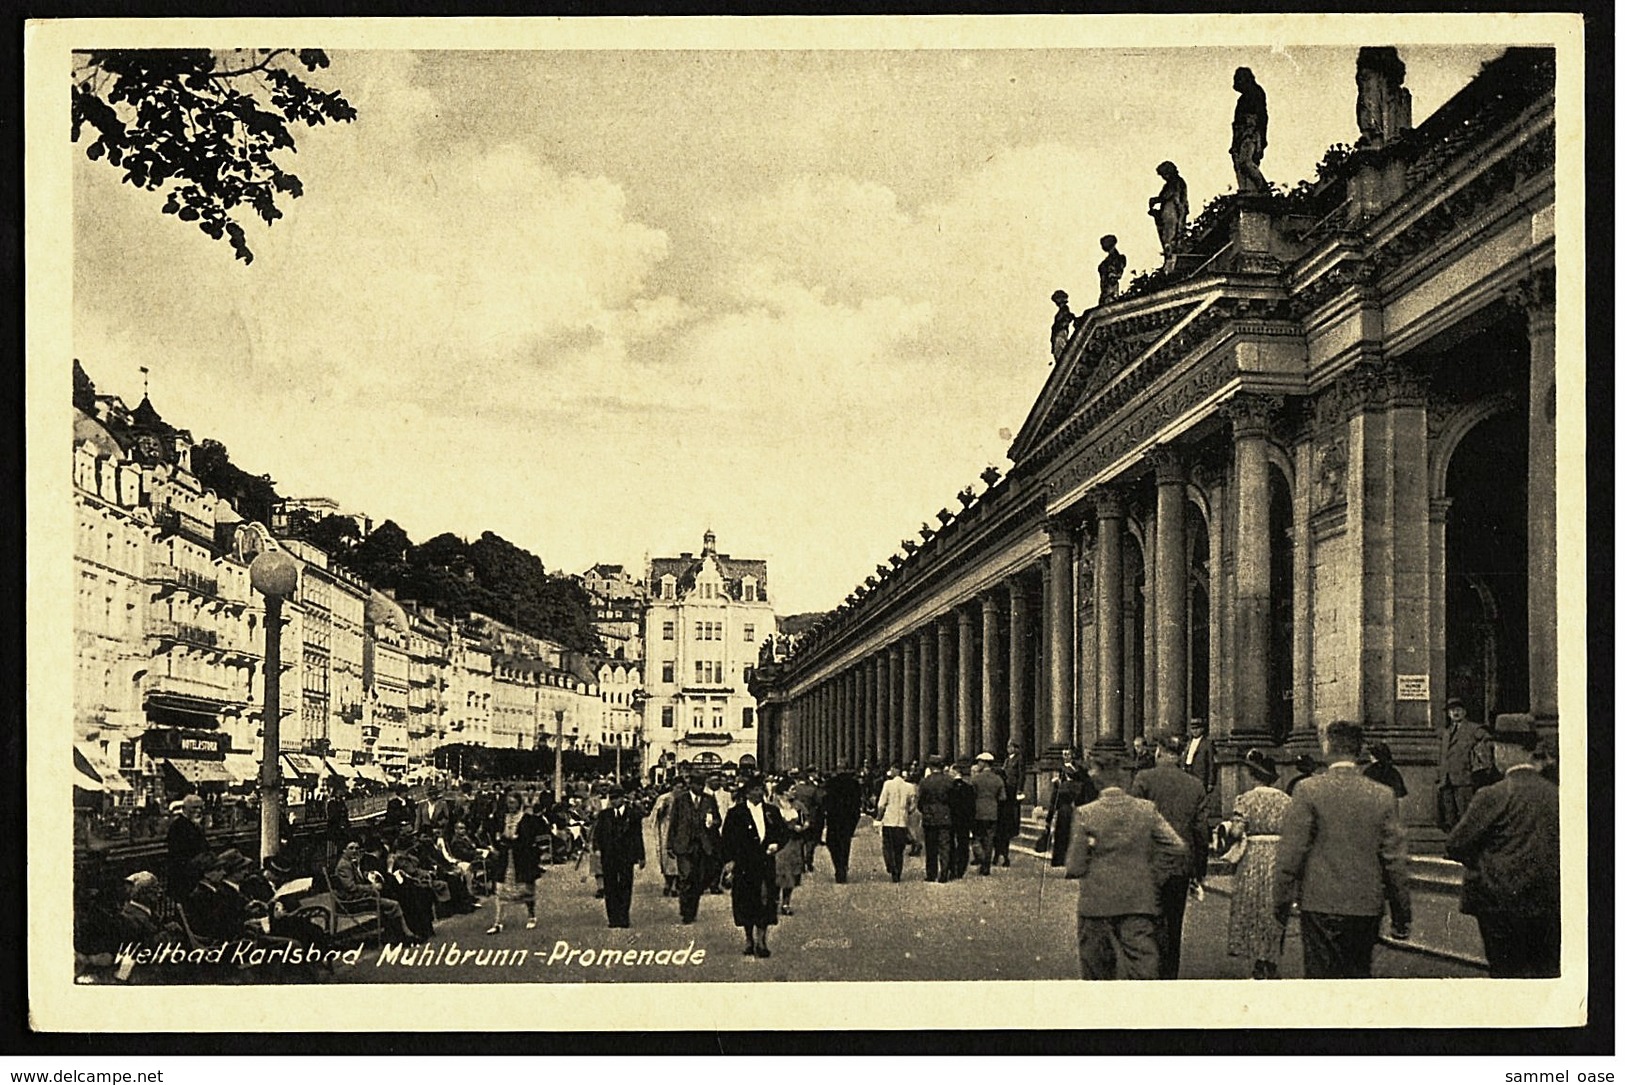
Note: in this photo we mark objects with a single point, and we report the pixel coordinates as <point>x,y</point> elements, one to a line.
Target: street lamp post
<point>274,575</point>
<point>558,754</point>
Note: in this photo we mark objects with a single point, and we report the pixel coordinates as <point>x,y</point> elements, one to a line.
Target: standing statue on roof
<point>1111,268</point>
<point>1170,208</point>
<point>1061,329</point>
<point>1249,133</point>
<point>1383,109</point>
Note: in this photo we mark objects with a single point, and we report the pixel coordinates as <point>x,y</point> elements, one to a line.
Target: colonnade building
<point>1307,474</point>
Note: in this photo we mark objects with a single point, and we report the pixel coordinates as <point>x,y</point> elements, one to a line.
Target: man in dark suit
<point>1121,852</point>
<point>434,816</point>
<point>1015,778</point>
<point>1180,800</point>
<point>1465,763</point>
<point>937,819</point>
<point>988,788</point>
<point>186,841</point>
<point>1508,842</point>
<point>618,838</point>
<point>843,804</point>
<point>693,840</point>
<point>962,808</point>
<point>1198,758</point>
<point>1341,858</point>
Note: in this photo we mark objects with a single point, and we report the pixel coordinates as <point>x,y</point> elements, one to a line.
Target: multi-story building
<point>428,648</point>
<point>114,528</point>
<point>706,616</point>
<point>618,600</point>
<point>286,513</point>
<point>386,676</point>
<point>331,604</point>
<point>620,691</point>
<point>468,686</point>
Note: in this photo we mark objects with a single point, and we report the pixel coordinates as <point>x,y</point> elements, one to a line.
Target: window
<point>748,717</point>
<point>699,718</point>
<point>716,719</point>
<point>668,671</point>
<point>708,591</point>
<point>668,587</point>
<point>750,672</point>
<point>668,631</point>
<point>747,590</point>
<point>750,633</point>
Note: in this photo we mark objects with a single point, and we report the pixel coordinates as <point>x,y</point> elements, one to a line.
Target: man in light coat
<point>898,799</point>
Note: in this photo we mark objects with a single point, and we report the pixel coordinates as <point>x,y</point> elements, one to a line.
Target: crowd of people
<point>1135,828</point>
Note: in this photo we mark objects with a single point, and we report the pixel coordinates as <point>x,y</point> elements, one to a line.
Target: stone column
<point>926,677</point>
<point>1173,674</point>
<point>911,699</point>
<point>1019,656</point>
<point>988,733</point>
<point>945,693</point>
<point>1060,623</point>
<point>1109,615</point>
<point>888,753</point>
<point>1249,427</point>
<point>1538,298</point>
<point>894,699</point>
<point>871,708</point>
<point>965,704</point>
<point>849,725</point>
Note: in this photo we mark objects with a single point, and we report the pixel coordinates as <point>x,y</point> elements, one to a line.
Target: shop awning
<point>372,772</point>
<point>91,762</point>
<point>306,769</point>
<point>84,779</point>
<point>339,768</point>
<point>199,772</point>
<point>244,767</point>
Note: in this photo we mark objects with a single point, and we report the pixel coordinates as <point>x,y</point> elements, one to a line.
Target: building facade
<point>428,652</point>
<point>1306,475</point>
<point>706,617</point>
<point>386,676</point>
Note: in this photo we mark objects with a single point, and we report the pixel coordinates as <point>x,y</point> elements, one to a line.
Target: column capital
<point>966,619</point>
<point>1108,503</point>
<point>1535,294</point>
<point>1060,530</point>
<point>1250,413</point>
<point>1168,463</point>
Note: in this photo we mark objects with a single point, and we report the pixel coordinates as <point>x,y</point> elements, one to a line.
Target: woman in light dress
<point>1255,933</point>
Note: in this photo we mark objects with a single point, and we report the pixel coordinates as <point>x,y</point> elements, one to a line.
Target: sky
<point>600,301</point>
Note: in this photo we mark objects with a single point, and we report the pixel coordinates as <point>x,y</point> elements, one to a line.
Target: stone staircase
<point>1438,928</point>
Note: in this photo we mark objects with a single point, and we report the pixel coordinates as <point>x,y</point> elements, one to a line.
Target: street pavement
<point>1017,923</point>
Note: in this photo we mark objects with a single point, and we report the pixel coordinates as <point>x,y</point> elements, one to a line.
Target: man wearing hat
<point>989,790</point>
<point>694,840</point>
<point>1121,850</point>
<point>843,805</point>
<point>1465,762</point>
<point>1507,840</point>
<point>1182,802</point>
<point>898,799</point>
<point>937,819</point>
<point>136,921</point>
<point>962,808</point>
<point>1015,777</point>
<point>618,838</point>
<point>1306,766</point>
<point>209,913</point>
<point>1341,858</point>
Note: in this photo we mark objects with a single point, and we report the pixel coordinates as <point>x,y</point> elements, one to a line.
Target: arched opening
<point>1199,649</point>
<point>1486,569</point>
<point>1134,610</point>
<point>1281,587</point>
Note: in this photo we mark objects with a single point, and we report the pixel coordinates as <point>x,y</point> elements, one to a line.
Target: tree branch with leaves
<point>203,126</point>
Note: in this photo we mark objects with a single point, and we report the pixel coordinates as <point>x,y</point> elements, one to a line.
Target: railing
<point>191,687</point>
<point>167,629</point>
<point>185,578</point>
<point>174,520</point>
<point>120,829</point>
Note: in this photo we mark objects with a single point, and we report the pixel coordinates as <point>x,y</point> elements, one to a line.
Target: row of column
<point>932,692</point>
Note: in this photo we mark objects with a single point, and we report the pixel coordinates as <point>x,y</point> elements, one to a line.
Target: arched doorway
<point>1200,612</point>
<point>1281,624</point>
<point>1486,632</point>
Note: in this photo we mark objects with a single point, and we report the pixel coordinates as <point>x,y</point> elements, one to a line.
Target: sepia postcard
<point>813,523</point>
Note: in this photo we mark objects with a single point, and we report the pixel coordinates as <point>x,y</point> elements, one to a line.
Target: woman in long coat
<point>788,861</point>
<point>749,854</point>
<point>515,860</point>
<point>661,812</point>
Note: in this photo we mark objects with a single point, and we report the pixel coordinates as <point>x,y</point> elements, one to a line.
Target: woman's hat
<point>1261,765</point>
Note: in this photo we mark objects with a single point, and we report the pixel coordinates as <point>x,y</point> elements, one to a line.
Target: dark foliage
<point>203,127</point>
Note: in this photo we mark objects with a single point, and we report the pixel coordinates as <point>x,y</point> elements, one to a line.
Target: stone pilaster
<point>1109,617</point>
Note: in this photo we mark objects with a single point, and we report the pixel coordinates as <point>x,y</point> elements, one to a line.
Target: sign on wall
<point>1411,687</point>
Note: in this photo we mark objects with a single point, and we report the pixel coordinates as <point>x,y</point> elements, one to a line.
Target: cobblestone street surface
<point>1017,923</point>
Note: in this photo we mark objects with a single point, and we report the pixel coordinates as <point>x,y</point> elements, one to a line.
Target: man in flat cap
<point>618,838</point>
<point>1465,762</point>
<point>1507,839</point>
<point>1120,853</point>
<point>989,788</point>
<point>936,818</point>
